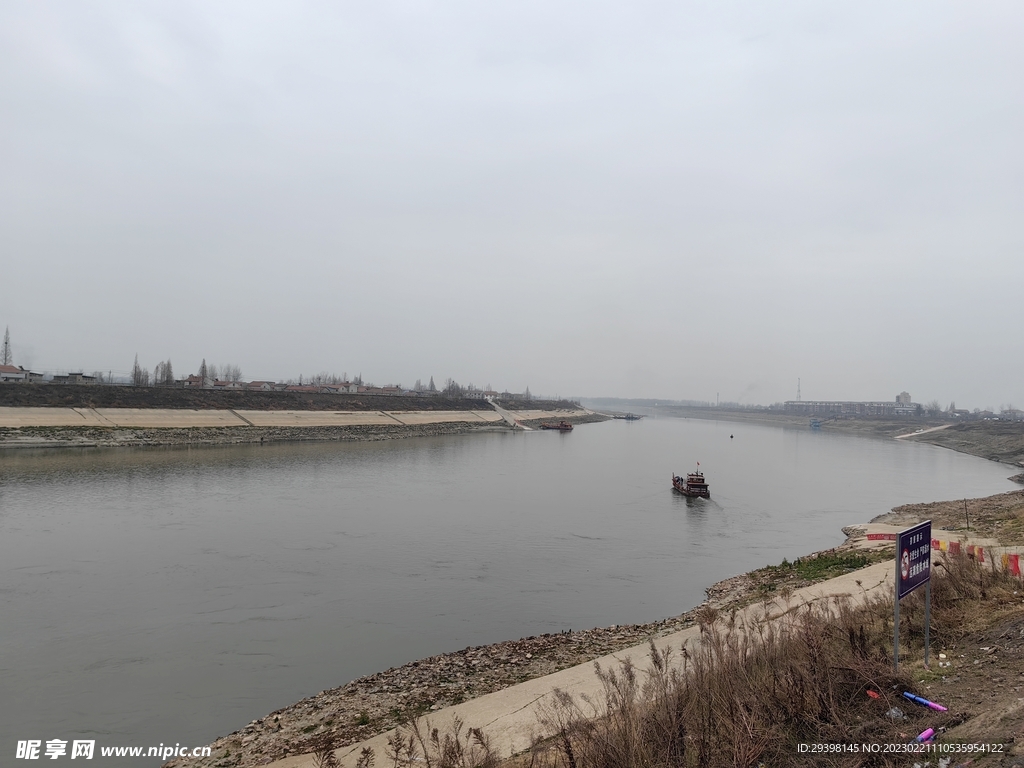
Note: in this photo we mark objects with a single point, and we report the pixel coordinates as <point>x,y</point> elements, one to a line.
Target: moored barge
<point>562,426</point>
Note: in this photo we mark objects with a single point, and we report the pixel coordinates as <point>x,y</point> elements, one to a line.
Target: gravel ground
<point>374,704</point>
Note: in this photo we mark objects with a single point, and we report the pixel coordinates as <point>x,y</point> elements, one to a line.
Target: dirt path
<point>924,431</point>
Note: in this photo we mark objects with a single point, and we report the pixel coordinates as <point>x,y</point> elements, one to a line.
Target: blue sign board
<point>913,558</point>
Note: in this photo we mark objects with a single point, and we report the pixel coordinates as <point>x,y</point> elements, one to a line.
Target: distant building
<point>17,374</point>
<point>73,378</point>
<point>343,387</point>
<point>902,406</point>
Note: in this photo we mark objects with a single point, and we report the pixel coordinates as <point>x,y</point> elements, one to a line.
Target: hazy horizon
<point>661,200</point>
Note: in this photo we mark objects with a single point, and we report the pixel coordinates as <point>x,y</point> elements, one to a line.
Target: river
<point>172,595</point>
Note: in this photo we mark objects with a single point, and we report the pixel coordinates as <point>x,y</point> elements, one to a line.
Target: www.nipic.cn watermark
<point>35,749</point>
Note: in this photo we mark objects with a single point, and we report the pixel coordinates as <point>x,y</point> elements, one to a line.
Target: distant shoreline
<point>996,440</point>
<point>48,428</point>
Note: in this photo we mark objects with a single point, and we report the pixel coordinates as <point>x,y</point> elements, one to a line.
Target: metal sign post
<point>913,569</point>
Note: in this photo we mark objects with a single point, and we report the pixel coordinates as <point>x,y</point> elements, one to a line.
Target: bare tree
<point>328,378</point>
<point>163,374</point>
<point>453,389</point>
<point>140,376</point>
<point>6,358</point>
<point>213,372</point>
<point>232,373</point>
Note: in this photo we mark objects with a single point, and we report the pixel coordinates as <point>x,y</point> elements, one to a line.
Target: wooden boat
<point>692,485</point>
<point>562,426</point>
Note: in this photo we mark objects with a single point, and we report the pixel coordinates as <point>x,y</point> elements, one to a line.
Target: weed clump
<point>749,692</point>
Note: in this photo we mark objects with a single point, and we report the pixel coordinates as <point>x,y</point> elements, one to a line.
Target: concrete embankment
<point>86,427</point>
<point>508,715</point>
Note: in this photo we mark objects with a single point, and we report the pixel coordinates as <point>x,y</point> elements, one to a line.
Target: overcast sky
<point>634,199</point>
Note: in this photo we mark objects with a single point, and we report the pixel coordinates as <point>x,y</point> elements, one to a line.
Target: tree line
<point>163,373</point>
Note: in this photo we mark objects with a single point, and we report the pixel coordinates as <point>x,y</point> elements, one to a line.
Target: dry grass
<point>749,694</point>
<point>1000,517</point>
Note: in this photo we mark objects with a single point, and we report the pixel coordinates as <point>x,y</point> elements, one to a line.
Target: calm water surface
<point>170,596</point>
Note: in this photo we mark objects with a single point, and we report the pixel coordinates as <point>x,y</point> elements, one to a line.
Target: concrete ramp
<point>509,716</point>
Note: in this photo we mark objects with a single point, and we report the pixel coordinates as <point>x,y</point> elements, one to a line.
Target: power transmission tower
<point>6,358</point>
<point>798,389</point>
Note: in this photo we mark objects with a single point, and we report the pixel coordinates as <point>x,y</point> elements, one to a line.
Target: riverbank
<point>993,439</point>
<point>371,705</point>
<point>106,427</point>
<point>348,716</point>
<point>99,396</point>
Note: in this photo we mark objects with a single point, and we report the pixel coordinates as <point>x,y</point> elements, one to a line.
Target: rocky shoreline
<point>376,703</point>
<point>97,437</point>
<point>379,702</point>
<point>94,437</point>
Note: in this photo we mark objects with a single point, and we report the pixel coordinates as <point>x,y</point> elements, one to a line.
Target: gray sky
<point>653,200</point>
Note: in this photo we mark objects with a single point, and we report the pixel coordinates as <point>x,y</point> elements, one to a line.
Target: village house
<point>344,387</point>
<point>15,373</point>
<point>73,378</point>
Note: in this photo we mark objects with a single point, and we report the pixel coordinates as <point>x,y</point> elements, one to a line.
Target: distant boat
<point>629,417</point>
<point>692,485</point>
<point>562,426</point>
